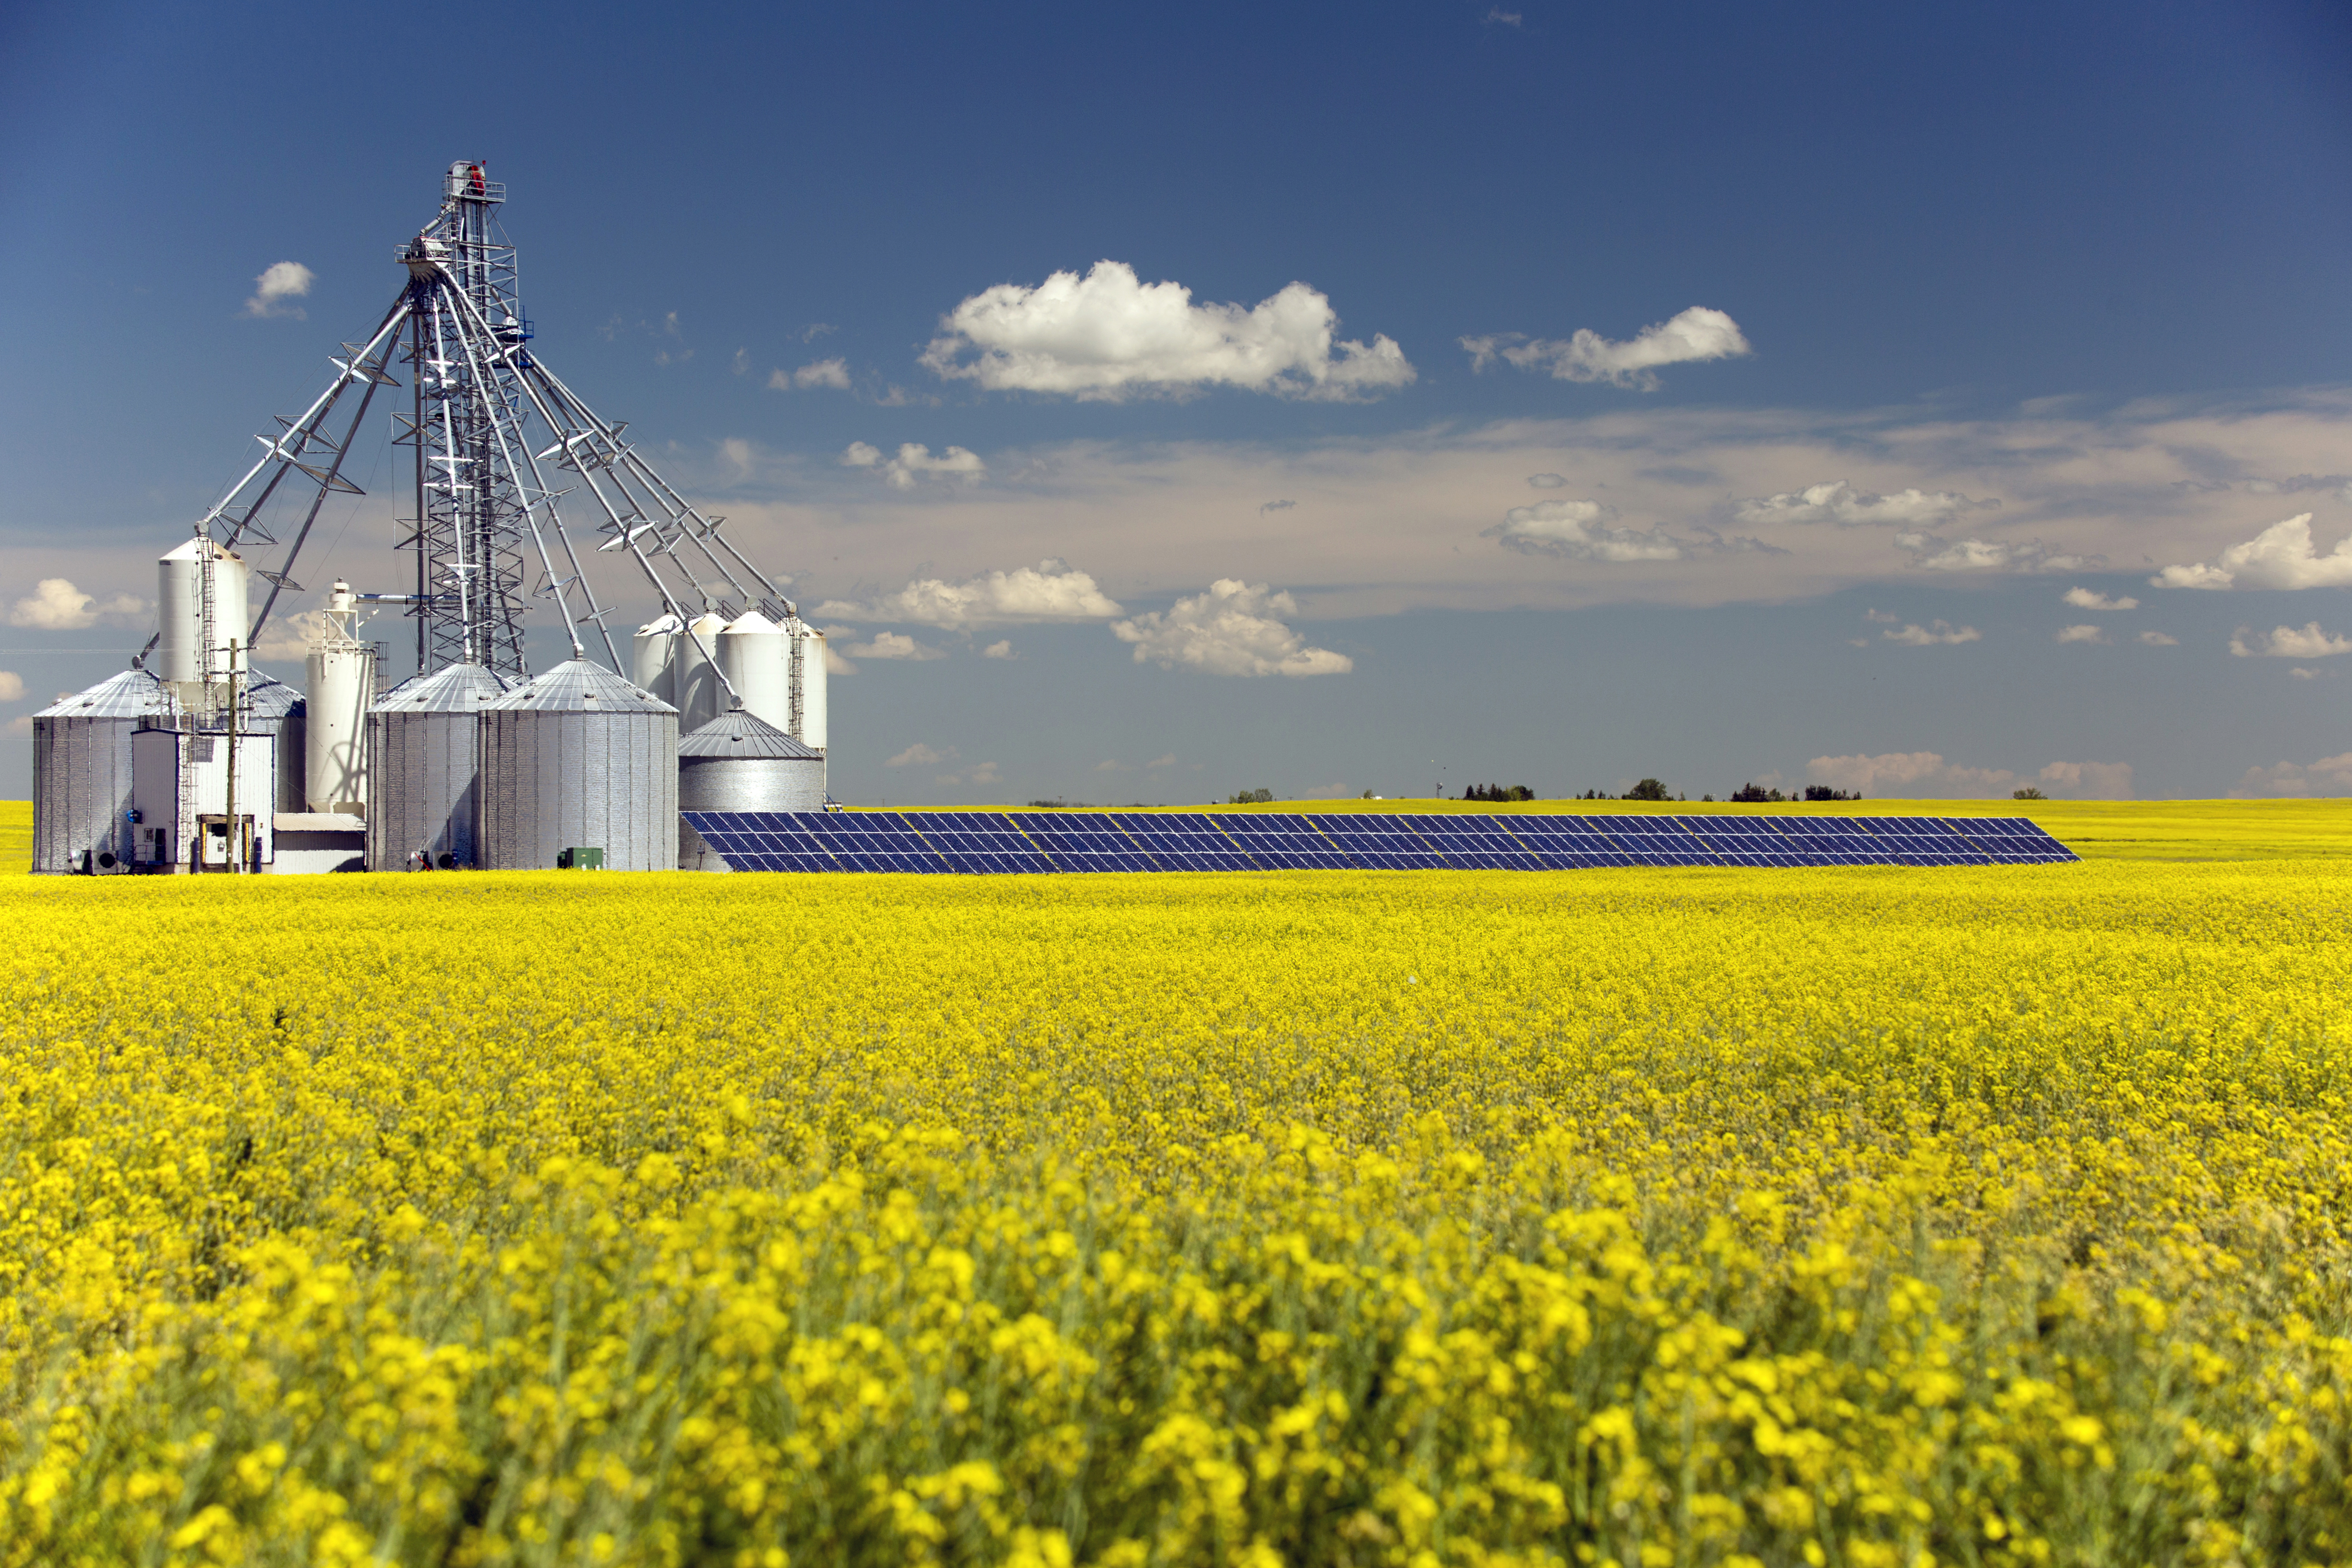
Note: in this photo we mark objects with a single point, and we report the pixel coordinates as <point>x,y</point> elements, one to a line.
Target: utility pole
<point>236,857</point>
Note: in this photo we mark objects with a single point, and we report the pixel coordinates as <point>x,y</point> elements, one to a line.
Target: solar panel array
<point>983,843</point>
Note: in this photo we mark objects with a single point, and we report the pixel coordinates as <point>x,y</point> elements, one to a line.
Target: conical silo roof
<point>578,685</point>
<point>743,733</point>
<point>458,689</point>
<point>269,700</point>
<point>133,694</point>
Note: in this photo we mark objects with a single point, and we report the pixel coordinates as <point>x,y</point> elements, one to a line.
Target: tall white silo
<point>82,773</point>
<point>699,697</point>
<point>653,656</point>
<point>756,656</point>
<point>341,672</point>
<point>201,621</point>
<point>423,747</point>
<point>579,758</point>
<point>808,683</point>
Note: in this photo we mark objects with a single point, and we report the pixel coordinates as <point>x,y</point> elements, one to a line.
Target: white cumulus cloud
<point>275,289</point>
<point>894,645</point>
<point>2090,780</point>
<point>1839,502</point>
<point>2157,639</point>
<point>2280,556</point>
<point>1697,333</point>
<point>1049,591</point>
<point>55,605</point>
<point>2288,642</point>
<point>915,463</point>
<point>1002,648</point>
<point>2081,633</point>
<point>290,636</point>
<point>978,774</point>
<point>1579,530</point>
<point>1929,554</point>
<point>2328,776</point>
<point>1875,774</point>
<point>1941,634</point>
<point>832,372</point>
<point>1109,335</point>
<point>1929,775</point>
<point>2092,599</point>
<point>920,755</point>
<point>12,686</point>
<point>1234,629</point>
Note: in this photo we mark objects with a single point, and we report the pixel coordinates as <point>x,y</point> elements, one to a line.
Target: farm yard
<point>1863,1215</point>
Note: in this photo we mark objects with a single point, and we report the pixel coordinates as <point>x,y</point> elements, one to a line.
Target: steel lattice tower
<point>470,518</point>
<point>485,520</point>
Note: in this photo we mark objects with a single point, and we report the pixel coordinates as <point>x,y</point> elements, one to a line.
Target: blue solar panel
<point>875,841</point>
<point>999,843</point>
<point>1082,841</point>
<point>1283,841</point>
<point>1556,843</point>
<point>1479,843</point>
<point>760,841</point>
<point>979,843</point>
<point>1183,841</point>
<point>1381,840</point>
<point>1830,841</point>
<point>1739,840</point>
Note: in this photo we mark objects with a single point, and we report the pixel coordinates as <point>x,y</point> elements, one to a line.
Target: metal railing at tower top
<point>467,180</point>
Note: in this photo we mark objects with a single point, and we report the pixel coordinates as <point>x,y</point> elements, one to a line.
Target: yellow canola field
<point>1864,1216</point>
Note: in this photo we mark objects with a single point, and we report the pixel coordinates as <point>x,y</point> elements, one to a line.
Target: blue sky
<point>1967,313</point>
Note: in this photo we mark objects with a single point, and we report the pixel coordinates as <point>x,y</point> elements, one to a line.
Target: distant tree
<point>1823,791</point>
<point>1252,797</point>
<point>1754,794</point>
<point>1648,789</point>
<point>1706,800</point>
<point>2028,793</point>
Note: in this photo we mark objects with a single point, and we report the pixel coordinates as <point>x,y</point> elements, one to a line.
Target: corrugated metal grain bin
<point>739,761</point>
<point>579,757</point>
<point>274,707</point>
<point>81,774</point>
<point>424,741</point>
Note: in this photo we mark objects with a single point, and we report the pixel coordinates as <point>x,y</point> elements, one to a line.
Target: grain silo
<point>739,761</point>
<point>201,618</point>
<point>808,725</point>
<point>700,696</point>
<point>579,759</point>
<point>755,654</point>
<point>653,656</point>
<point>269,707</point>
<point>423,747</point>
<point>583,760</point>
<point>81,774</point>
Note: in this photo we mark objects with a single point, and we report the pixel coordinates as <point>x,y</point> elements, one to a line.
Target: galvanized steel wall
<point>554,778</point>
<point>82,787</point>
<point>293,745</point>
<point>424,786</point>
<point>751,784</point>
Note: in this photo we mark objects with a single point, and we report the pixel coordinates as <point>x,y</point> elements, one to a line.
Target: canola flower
<point>1859,1217</point>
